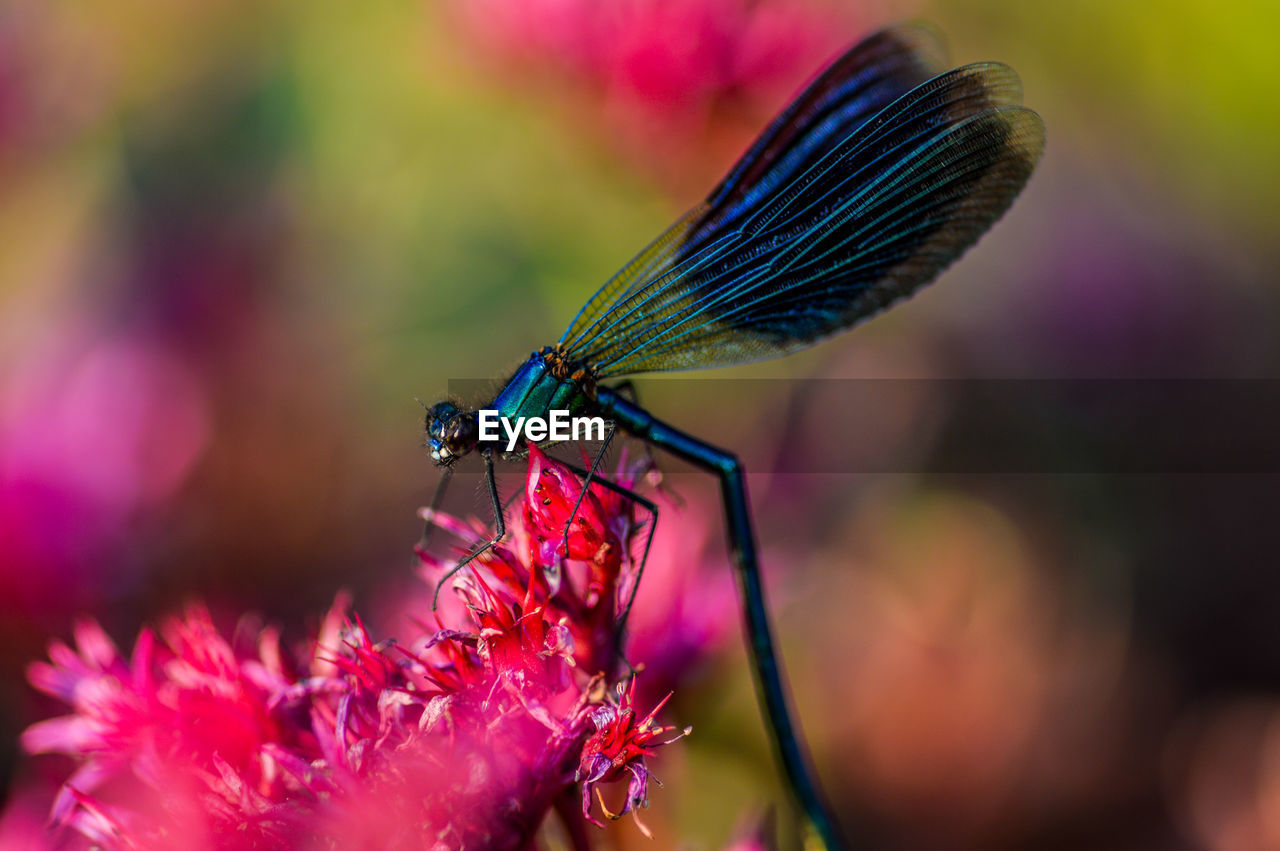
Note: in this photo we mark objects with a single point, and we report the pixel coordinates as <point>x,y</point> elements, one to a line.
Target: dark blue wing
<point>823,223</point>
<point>867,78</point>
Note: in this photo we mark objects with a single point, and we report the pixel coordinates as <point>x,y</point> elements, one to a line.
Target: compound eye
<point>438,418</point>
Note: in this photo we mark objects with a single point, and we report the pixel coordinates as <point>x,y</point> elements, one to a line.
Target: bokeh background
<point>237,241</point>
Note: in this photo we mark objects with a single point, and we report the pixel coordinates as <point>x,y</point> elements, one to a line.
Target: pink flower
<point>579,591</point>
<point>620,744</point>
<point>185,707</point>
<point>686,606</point>
<point>551,494</point>
<point>464,736</point>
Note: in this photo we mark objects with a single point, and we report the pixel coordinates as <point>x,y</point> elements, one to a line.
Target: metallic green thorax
<point>534,392</point>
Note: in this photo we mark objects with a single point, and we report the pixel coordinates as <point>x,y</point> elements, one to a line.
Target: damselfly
<point>881,173</point>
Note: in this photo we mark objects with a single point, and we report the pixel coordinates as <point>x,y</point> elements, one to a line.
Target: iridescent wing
<point>852,199</point>
<point>867,78</point>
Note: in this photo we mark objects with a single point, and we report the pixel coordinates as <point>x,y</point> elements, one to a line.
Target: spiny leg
<point>499,522</point>
<point>586,483</point>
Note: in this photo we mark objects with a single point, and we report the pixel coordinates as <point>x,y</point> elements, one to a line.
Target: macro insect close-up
<point>994,572</point>
<point>870,183</point>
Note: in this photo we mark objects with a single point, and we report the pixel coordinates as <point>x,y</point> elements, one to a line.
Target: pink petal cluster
<point>463,737</point>
<point>660,51</point>
<point>620,744</point>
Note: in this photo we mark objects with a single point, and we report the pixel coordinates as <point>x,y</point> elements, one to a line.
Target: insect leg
<point>627,388</point>
<point>770,678</point>
<point>499,522</point>
<point>586,484</point>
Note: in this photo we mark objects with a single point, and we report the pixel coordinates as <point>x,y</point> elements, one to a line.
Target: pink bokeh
<point>93,430</point>
<point>664,79</point>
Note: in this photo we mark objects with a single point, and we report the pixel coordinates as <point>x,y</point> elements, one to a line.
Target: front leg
<point>499,523</point>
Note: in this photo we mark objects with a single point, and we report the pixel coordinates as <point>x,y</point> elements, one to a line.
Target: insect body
<point>883,171</point>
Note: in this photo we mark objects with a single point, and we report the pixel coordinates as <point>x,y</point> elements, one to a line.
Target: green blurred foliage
<point>1184,93</point>
<point>448,215</point>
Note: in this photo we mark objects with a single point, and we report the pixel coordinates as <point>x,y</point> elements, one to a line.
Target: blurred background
<point>237,243</point>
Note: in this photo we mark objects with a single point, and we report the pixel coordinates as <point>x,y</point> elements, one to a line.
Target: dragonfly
<point>878,175</point>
